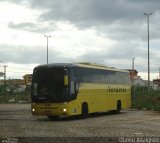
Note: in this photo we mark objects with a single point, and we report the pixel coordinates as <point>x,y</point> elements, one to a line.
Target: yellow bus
<point>68,89</point>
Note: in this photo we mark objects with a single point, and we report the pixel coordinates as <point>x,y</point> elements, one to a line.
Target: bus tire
<point>118,107</point>
<point>52,117</point>
<point>84,110</point>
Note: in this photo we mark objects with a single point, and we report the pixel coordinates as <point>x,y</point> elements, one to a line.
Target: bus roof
<point>83,64</point>
<point>99,66</point>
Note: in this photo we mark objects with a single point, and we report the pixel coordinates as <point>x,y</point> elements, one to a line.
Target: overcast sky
<point>109,32</point>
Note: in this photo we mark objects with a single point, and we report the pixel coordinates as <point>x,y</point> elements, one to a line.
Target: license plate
<point>47,112</point>
<point>47,105</point>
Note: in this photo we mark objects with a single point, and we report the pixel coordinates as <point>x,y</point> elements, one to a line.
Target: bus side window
<point>73,83</point>
<point>77,87</point>
<point>72,87</point>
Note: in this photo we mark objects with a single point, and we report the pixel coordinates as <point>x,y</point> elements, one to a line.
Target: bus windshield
<point>48,85</point>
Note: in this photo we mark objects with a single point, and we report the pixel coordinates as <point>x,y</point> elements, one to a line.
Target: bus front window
<point>48,85</point>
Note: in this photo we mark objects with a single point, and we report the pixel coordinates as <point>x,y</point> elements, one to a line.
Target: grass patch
<point>144,98</point>
<point>14,96</point>
<point>148,102</point>
<point>15,99</point>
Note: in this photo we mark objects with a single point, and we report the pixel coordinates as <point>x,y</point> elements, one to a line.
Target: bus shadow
<point>96,115</point>
<point>92,115</point>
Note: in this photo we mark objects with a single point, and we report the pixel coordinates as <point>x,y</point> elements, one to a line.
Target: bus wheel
<point>52,117</point>
<point>118,107</point>
<point>84,110</point>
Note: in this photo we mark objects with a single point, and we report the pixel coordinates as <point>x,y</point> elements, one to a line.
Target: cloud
<point>33,27</point>
<point>25,55</point>
<point>120,20</point>
<point>94,12</point>
<point>24,26</point>
<point>105,31</point>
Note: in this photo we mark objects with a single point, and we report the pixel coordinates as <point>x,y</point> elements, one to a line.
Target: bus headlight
<point>64,110</point>
<point>33,110</point>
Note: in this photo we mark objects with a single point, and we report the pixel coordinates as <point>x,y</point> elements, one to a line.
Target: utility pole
<point>148,50</point>
<point>5,79</point>
<point>47,46</point>
<point>159,73</point>
<point>133,71</point>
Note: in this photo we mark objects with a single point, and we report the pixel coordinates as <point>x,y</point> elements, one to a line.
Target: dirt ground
<point>16,120</point>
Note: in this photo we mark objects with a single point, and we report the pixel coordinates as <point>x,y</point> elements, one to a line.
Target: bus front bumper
<point>50,109</point>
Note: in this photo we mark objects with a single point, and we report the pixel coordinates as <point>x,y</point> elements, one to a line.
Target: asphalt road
<point>16,120</point>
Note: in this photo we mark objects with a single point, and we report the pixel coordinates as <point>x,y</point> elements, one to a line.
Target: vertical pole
<point>148,51</point>
<point>5,79</point>
<point>159,73</point>
<point>132,76</point>
<point>132,71</point>
<point>148,56</point>
<point>47,49</point>
<point>47,46</point>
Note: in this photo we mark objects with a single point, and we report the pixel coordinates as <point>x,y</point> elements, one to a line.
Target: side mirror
<point>65,80</point>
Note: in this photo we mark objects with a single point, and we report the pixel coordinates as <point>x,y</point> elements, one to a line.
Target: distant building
<point>1,74</point>
<point>27,79</point>
<point>13,81</point>
<point>133,73</point>
<point>133,76</point>
<point>139,81</point>
<point>156,83</point>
